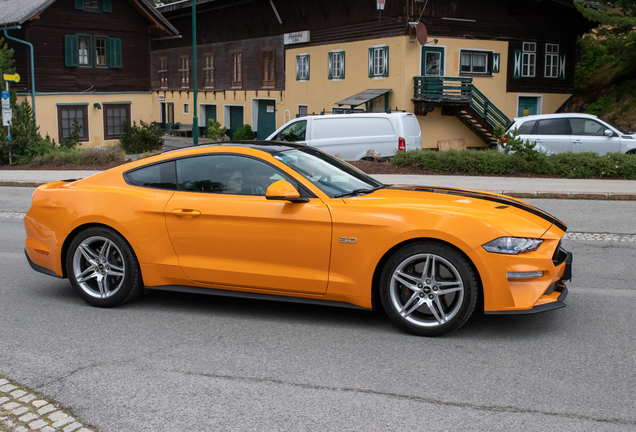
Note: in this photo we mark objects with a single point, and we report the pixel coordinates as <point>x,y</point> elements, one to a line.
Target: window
<point>236,59</point>
<point>432,61</point>
<point>474,63</point>
<point>268,64</point>
<point>302,111</point>
<point>92,5</point>
<point>581,126</point>
<point>526,128</point>
<point>100,52</point>
<point>302,67</point>
<point>92,51</point>
<point>336,65</point>
<point>66,116</point>
<point>529,59</point>
<point>379,62</point>
<point>84,50</point>
<point>553,127</point>
<point>208,70</point>
<point>161,176</point>
<point>186,108</point>
<point>294,132</point>
<point>227,174</point>
<point>551,60</point>
<point>184,71</point>
<point>163,72</point>
<point>115,115</point>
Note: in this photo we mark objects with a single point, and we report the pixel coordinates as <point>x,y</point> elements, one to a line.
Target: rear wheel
<point>428,289</point>
<point>102,268</point>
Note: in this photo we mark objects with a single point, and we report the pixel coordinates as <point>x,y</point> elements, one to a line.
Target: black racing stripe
<point>487,197</point>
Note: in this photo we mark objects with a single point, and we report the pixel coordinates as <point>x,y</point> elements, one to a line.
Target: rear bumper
<point>40,268</point>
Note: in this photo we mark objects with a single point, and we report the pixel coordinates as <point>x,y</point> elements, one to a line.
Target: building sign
<point>7,115</point>
<point>380,4</point>
<point>15,77</point>
<point>297,37</point>
<point>6,104</point>
<point>162,97</point>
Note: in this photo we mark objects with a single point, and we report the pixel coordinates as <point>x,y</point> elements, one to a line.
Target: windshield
<point>328,173</point>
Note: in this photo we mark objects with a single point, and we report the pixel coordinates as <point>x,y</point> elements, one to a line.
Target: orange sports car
<point>284,221</point>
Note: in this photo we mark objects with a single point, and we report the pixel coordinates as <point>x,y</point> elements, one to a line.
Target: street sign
<point>7,115</point>
<point>6,104</point>
<point>14,78</point>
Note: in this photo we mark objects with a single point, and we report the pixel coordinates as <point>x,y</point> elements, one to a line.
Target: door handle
<point>577,141</point>
<point>186,212</point>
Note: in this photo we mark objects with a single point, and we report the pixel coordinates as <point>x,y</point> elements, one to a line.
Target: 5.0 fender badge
<point>351,240</point>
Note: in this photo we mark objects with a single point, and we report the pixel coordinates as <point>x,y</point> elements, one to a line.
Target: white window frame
<point>551,69</point>
<point>378,61</point>
<point>529,59</point>
<point>487,53</point>
<point>303,67</point>
<point>336,58</point>
<point>186,108</point>
<point>306,108</point>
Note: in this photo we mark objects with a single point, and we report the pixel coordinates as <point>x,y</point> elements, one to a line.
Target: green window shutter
<point>342,60</point>
<point>308,67</point>
<point>79,4</point>
<point>71,52</point>
<point>114,53</point>
<point>330,66</point>
<point>562,67</point>
<point>385,53</point>
<point>371,52</point>
<point>517,66</point>
<point>107,6</point>
<point>495,66</point>
<point>297,68</point>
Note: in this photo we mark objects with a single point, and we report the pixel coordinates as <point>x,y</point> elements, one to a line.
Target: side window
<point>227,174</point>
<point>294,132</point>
<point>526,128</point>
<point>161,176</point>
<point>553,127</point>
<point>582,126</point>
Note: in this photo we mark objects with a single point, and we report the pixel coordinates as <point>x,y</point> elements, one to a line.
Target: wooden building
<point>91,62</point>
<point>483,62</point>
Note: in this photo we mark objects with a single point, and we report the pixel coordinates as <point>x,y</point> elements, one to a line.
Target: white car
<point>351,136</point>
<point>557,133</point>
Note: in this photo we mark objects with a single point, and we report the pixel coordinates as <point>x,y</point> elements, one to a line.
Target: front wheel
<point>102,268</point>
<point>428,289</point>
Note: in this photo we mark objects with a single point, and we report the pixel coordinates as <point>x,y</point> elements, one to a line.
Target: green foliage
<point>72,141</point>
<point>143,138</point>
<point>26,141</point>
<point>7,66</point>
<point>89,156</point>
<point>511,143</point>
<point>216,132</point>
<point>495,162</point>
<point>244,133</point>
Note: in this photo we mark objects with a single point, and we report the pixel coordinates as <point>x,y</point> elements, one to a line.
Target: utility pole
<point>195,119</point>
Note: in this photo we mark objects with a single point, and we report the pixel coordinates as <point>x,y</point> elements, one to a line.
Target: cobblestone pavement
<point>22,410</point>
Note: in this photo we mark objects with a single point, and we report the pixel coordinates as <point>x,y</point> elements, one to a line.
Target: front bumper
<point>555,294</point>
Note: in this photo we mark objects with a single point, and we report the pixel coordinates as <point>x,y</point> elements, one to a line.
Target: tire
<point>103,279</point>
<point>428,289</point>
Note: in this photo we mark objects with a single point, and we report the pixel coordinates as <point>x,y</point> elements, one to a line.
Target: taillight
<point>401,144</point>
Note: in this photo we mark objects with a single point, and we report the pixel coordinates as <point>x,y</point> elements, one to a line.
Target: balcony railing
<point>459,91</point>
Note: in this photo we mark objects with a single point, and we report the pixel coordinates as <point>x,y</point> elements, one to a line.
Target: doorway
<point>528,105</point>
<point>233,118</point>
<point>206,113</point>
<point>265,119</point>
<point>166,116</point>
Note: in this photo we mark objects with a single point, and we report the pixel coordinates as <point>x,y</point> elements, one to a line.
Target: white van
<point>351,136</point>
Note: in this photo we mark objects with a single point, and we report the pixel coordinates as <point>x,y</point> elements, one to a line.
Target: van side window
<point>294,132</point>
<point>559,126</point>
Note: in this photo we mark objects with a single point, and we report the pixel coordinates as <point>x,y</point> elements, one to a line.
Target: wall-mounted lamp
<point>433,42</point>
<point>97,105</point>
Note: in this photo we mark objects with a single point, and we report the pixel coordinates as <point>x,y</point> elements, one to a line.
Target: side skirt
<point>252,295</point>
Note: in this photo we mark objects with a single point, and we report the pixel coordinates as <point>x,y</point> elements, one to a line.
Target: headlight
<point>512,245</point>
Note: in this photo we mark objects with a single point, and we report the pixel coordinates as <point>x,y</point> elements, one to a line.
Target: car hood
<point>516,217</point>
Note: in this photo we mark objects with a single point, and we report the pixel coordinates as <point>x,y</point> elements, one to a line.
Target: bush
<point>88,156</point>
<point>143,138</point>
<point>26,140</point>
<point>244,133</point>
<point>494,162</point>
<point>73,140</point>
<point>216,132</point>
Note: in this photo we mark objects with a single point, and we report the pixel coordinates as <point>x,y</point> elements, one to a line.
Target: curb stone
<point>24,410</point>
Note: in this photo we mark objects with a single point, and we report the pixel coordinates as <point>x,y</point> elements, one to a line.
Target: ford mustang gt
<point>284,221</point>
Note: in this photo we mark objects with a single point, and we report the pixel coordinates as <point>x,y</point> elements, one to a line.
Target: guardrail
<point>458,90</point>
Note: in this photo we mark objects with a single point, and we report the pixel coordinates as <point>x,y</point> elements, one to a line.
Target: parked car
<point>351,136</point>
<point>284,221</point>
<point>557,133</point>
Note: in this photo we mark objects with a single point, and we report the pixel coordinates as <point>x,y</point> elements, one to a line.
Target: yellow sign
<point>14,78</point>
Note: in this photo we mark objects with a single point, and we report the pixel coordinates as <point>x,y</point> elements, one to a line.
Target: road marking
<point>600,237</point>
<point>12,215</point>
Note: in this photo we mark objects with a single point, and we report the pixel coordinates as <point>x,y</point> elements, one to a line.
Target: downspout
<point>32,65</point>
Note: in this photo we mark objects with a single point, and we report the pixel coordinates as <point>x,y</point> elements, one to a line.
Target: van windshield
<point>329,174</point>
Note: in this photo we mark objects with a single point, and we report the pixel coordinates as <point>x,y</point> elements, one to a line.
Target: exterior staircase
<point>460,98</point>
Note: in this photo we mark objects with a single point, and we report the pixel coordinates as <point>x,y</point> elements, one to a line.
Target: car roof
<point>556,115</point>
<point>266,146</point>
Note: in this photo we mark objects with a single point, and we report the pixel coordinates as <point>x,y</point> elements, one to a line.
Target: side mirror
<point>282,190</point>
<point>608,133</point>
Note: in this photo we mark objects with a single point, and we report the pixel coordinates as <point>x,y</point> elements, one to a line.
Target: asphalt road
<point>181,362</point>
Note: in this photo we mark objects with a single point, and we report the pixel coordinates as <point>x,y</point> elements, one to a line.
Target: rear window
<point>161,176</point>
<point>411,126</point>
<point>553,127</point>
<point>526,128</point>
<point>352,127</point>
